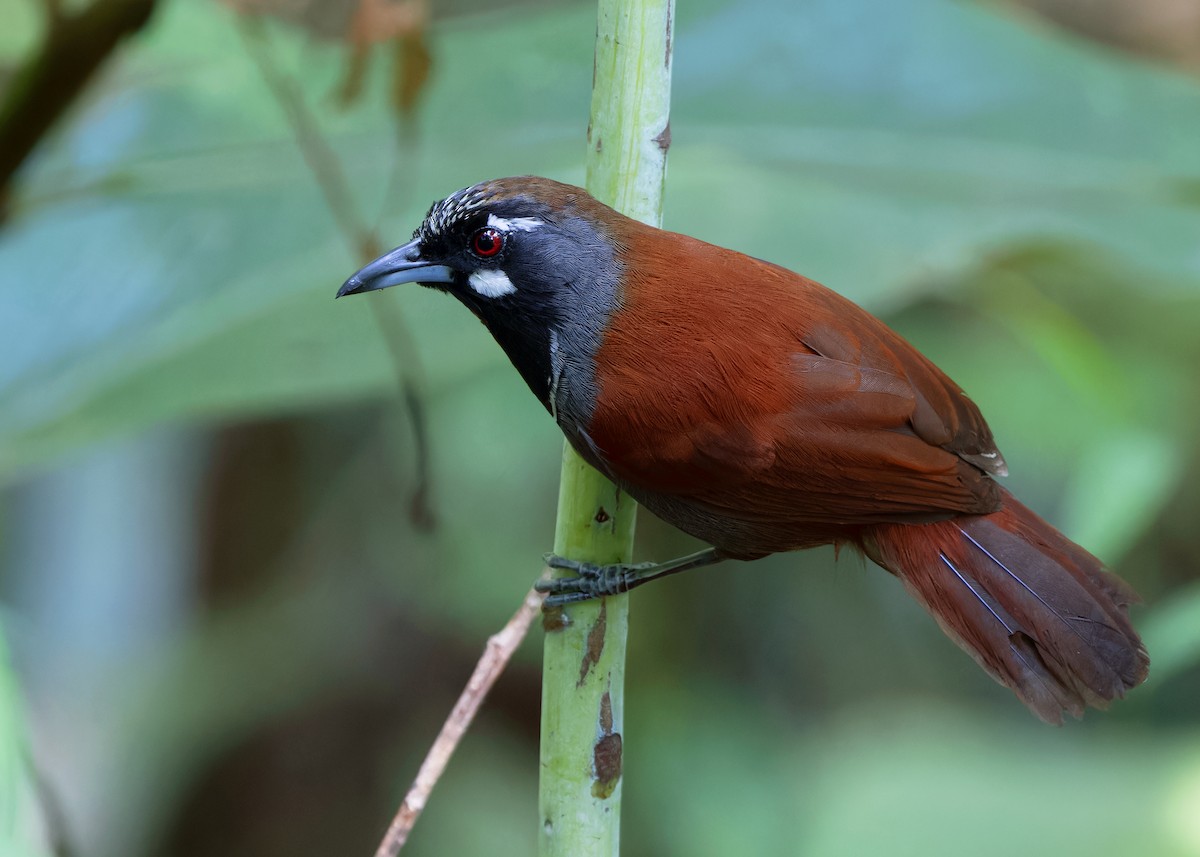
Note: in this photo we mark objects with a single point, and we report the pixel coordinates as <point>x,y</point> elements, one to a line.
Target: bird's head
<point>539,262</point>
<point>522,246</point>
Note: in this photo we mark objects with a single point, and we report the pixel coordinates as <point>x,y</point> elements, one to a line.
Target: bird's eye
<point>487,242</point>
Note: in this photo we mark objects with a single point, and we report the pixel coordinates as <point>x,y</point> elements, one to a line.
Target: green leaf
<point>900,777</point>
<point>21,30</point>
<point>1172,633</point>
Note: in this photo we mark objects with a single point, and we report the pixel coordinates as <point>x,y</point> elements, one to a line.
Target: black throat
<point>525,339</point>
<point>565,276</point>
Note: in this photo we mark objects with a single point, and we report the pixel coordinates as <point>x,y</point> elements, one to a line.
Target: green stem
<point>583,673</point>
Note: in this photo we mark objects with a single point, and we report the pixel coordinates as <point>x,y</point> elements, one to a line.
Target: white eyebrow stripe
<point>521,224</point>
<point>491,283</point>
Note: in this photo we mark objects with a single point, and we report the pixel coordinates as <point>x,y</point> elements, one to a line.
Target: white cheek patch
<point>520,224</point>
<point>491,283</point>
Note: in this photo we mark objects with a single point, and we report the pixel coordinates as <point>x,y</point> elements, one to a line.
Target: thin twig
<point>499,650</point>
<point>364,243</point>
<point>361,240</point>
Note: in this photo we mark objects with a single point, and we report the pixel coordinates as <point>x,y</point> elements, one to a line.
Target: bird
<point>762,412</point>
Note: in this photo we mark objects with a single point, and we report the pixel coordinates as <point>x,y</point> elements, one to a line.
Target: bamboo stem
<point>583,671</point>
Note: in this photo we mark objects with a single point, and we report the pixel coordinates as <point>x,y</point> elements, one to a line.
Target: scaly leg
<point>594,581</point>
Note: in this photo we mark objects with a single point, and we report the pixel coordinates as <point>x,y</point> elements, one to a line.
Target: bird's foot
<point>591,581</point>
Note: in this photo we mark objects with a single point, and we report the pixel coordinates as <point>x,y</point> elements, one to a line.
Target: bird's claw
<point>590,580</point>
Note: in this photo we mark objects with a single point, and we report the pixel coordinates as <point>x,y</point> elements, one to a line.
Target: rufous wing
<point>760,395</point>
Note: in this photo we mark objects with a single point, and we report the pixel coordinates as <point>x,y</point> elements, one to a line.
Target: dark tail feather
<point>1035,610</point>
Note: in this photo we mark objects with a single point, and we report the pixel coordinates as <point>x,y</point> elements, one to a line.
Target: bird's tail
<point>1034,609</point>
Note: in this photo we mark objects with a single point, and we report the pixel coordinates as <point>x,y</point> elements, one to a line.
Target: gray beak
<point>402,265</point>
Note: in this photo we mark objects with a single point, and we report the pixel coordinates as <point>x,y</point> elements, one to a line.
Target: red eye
<point>487,242</point>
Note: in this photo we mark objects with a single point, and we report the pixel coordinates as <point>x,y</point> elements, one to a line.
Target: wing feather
<point>813,413</point>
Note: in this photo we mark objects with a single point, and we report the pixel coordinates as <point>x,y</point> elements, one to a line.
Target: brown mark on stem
<point>599,144</point>
<point>667,52</point>
<point>606,715</point>
<point>595,644</point>
<point>602,516</point>
<point>606,754</point>
<point>554,619</point>
<point>663,140</point>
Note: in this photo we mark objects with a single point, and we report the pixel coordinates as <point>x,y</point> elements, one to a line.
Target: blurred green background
<point>253,541</point>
